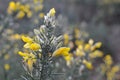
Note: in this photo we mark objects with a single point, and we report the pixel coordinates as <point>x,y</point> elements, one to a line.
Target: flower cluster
<point>23,9</point>
<point>108,68</point>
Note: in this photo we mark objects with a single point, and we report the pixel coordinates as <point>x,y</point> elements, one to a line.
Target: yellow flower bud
<point>27,39</point>
<point>34,46</point>
<point>20,15</point>
<point>29,14</point>
<point>22,54</point>
<point>88,64</point>
<point>95,54</point>
<point>30,64</point>
<point>115,69</point>
<point>68,59</point>
<point>87,47</point>
<point>52,12</point>
<point>80,53</point>
<point>98,45</point>
<point>66,39</point>
<point>63,51</point>
<point>12,6</point>
<point>108,60</point>
<point>91,41</point>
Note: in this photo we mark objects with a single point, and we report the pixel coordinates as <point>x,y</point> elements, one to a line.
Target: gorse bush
<point>38,60</point>
<point>49,51</point>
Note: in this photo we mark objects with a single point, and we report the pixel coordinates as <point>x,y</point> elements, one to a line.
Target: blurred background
<point>99,18</point>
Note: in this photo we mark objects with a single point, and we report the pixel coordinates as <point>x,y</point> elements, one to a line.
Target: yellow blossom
<point>91,41</point>
<point>88,64</point>
<point>52,12</point>
<point>18,4</point>
<point>79,42</point>
<point>12,6</point>
<point>23,54</point>
<point>27,45</point>
<point>87,47</point>
<point>80,53</point>
<point>27,39</point>
<point>29,58</point>
<point>29,14</point>
<point>98,44</point>
<point>115,69</point>
<point>63,51</point>
<point>108,60</point>
<point>20,15</point>
<point>34,46</point>
<point>66,39</point>
<point>95,54</point>
<point>77,33</point>
<point>30,64</point>
<point>68,59</point>
<point>7,67</point>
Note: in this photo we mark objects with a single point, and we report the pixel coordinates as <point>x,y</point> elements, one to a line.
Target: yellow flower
<point>27,39</point>
<point>20,15</point>
<point>91,41</point>
<point>29,59</point>
<point>66,39</point>
<point>18,4</point>
<point>29,14</point>
<point>52,12</point>
<point>80,53</point>
<point>108,60</point>
<point>88,64</point>
<point>30,44</point>
<point>12,6</point>
<point>68,59</point>
<point>23,54</point>
<point>77,33</point>
<point>34,46</point>
<point>27,8</point>
<point>95,54</point>
<point>79,42</point>
<point>30,64</point>
<point>98,44</point>
<point>63,51</point>
<point>7,67</point>
<point>27,45</point>
<point>87,47</point>
<point>115,69</point>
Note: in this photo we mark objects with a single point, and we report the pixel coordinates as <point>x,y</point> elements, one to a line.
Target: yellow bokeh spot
<point>7,56</point>
<point>41,15</point>
<point>7,67</point>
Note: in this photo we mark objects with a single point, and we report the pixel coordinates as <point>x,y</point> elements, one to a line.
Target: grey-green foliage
<point>43,68</point>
